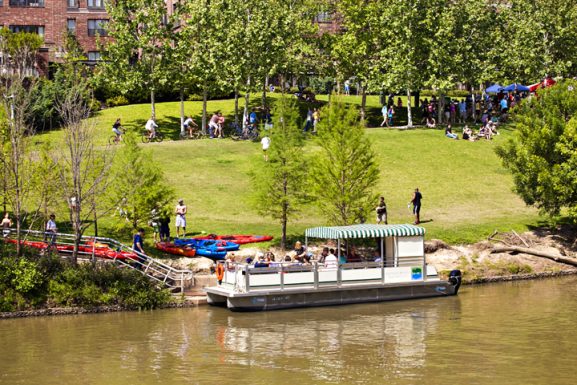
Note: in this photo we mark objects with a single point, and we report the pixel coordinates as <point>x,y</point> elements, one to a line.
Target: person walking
<point>180,218</point>
<point>416,201</point>
<point>384,111</point>
<point>381,212</point>
<point>265,141</point>
<point>137,246</point>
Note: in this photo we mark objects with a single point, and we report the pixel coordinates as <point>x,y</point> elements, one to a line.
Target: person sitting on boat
<point>323,255</point>
<point>331,261</point>
<point>300,251</point>
<point>261,262</point>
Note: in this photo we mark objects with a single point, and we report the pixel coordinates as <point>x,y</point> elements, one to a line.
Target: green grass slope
<point>467,193</point>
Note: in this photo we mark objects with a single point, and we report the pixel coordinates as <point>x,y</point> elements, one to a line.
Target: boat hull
<point>295,298</point>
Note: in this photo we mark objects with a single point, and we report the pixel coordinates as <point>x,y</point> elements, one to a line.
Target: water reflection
<point>514,333</point>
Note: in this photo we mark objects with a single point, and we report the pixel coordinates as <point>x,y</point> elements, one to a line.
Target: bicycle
<point>196,134</point>
<point>115,139</point>
<point>250,132</point>
<point>158,137</point>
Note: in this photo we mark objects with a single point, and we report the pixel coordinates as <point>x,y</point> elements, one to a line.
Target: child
<point>265,141</point>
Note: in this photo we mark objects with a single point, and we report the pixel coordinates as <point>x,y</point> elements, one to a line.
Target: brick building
<point>52,18</point>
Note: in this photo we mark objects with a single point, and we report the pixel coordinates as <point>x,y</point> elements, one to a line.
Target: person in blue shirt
<point>416,201</point>
<point>504,105</point>
<point>252,118</point>
<point>137,246</point>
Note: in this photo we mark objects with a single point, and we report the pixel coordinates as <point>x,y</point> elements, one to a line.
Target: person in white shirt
<point>265,141</point>
<point>331,261</point>
<point>51,229</point>
<point>189,125</point>
<point>151,127</point>
<point>180,218</point>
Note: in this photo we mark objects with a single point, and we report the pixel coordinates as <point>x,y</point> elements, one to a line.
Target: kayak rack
<point>163,275</point>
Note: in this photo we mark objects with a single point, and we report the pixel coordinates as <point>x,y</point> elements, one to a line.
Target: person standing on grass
<point>381,211</point>
<point>416,201</point>
<point>180,218</point>
<point>390,115</point>
<point>347,87</point>
<point>265,141</point>
<point>316,119</point>
<point>151,127</point>
<point>384,111</point>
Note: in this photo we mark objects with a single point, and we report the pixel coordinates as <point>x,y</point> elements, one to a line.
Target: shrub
<point>115,101</point>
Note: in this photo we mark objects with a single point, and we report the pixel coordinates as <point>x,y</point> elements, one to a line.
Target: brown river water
<point>506,333</point>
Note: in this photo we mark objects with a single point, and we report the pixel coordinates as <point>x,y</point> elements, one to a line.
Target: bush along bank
<point>39,282</point>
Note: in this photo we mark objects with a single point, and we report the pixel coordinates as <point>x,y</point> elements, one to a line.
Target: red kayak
<point>101,250</point>
<point>239,239</point>
<point>171,248</point>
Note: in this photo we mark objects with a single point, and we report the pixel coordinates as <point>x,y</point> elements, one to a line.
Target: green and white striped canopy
<point>364,231</point>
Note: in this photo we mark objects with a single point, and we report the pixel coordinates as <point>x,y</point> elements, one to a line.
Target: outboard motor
<point>455,279</point>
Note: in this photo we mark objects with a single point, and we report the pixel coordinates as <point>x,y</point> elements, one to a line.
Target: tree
<point>16,99</point>
<point>282,180</point>
<point>139,185</point>
<point>82,168</point>
<point>542,155</point>
<point>136,55</point>
<point>344,172</point>
<point>541,39</point>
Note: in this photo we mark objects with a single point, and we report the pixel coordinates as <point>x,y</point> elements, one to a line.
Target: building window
<point>323,17</point>
<point>38,29</point>
<point>97,27</point>
<point>93,56</point>
<point>98,4</point>
<point>26,3</point>
<point>72,3</point>
<point>71,25</point>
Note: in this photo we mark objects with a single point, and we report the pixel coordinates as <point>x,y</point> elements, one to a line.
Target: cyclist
<point>151,127</point>
<point>190,125</point>
<point>116,128</point>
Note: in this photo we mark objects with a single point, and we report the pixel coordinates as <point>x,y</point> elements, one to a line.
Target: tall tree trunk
<point>246,100</point>
<point>417,95</point>
<point>363,105</point>
<point>204,103</point>
<point>236,106</point>
<point>441,108</point>
<point>409,115</point>
<point>474,107</point>
<point>264,88</point>
<point>182,133</point>
<point>152,103</point>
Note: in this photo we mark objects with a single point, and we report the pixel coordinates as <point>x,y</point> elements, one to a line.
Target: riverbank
<point>478,263</point>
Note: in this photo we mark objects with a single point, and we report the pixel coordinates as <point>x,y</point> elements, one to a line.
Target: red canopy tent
<point>547,82</point>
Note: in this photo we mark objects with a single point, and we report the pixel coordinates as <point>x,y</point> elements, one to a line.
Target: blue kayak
<point>209,244</point>
<point>212,254</point>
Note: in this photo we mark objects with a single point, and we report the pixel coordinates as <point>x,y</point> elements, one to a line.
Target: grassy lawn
<point>467,193</point>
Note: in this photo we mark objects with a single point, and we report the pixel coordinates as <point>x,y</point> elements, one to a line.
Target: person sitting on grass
<point>468,134</point>
<point>431,123</point>
<point>449,132</point>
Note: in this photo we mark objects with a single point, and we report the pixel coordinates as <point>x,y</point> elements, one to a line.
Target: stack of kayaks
<point>239,239</point>
<point>100,250</point>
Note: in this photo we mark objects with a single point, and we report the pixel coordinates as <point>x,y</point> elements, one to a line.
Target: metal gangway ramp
<point>105,249</point>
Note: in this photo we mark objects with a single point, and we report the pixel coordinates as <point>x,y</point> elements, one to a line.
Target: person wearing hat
<point>180,218</point>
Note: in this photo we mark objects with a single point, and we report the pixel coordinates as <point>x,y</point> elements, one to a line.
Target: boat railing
<point>91,249</point>
<point>282,276</point>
